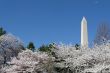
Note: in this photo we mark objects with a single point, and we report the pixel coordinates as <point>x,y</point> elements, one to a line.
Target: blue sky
<point>46,21</point>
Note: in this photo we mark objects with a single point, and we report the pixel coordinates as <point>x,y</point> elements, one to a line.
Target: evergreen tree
<point>31,46</point>
<point>47,48</point>
<point>77,46</point>
<point>44,48</point>
<point>2,32</point>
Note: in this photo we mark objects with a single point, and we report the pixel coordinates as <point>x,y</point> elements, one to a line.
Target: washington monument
<point>84,33</point>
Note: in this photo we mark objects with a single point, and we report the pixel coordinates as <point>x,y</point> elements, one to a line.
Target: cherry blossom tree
<point>66,59</point>
<point>103,34</point>
<point>30,62</point>
<point>10,46</point>
<point>91,60</point>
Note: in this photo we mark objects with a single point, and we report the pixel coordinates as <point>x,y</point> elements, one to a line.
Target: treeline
<point>102,35</point>
<point>60,58</point>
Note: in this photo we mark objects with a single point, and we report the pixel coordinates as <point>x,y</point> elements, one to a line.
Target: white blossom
<point>10,46</point>
<point>94,60</point>
<point>28,61</point>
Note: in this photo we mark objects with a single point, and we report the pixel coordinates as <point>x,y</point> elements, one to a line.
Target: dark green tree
<point>44,48</point>
<point>2,31</point>
<point>31,46</point>
<point>47,48</point>
<point>77,46</point>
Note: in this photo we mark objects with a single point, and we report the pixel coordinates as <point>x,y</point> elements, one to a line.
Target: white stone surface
<point>84,33</point>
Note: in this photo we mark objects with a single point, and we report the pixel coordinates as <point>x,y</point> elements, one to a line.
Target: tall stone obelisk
<point>84,33</point>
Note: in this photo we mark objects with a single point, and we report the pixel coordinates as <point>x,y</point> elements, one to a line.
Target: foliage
<point>2,31</point>
<point>67,59</point>
<point>31,46</point>
<point>77,46</point>
<point>44,48</point>
<point>47,48</point>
